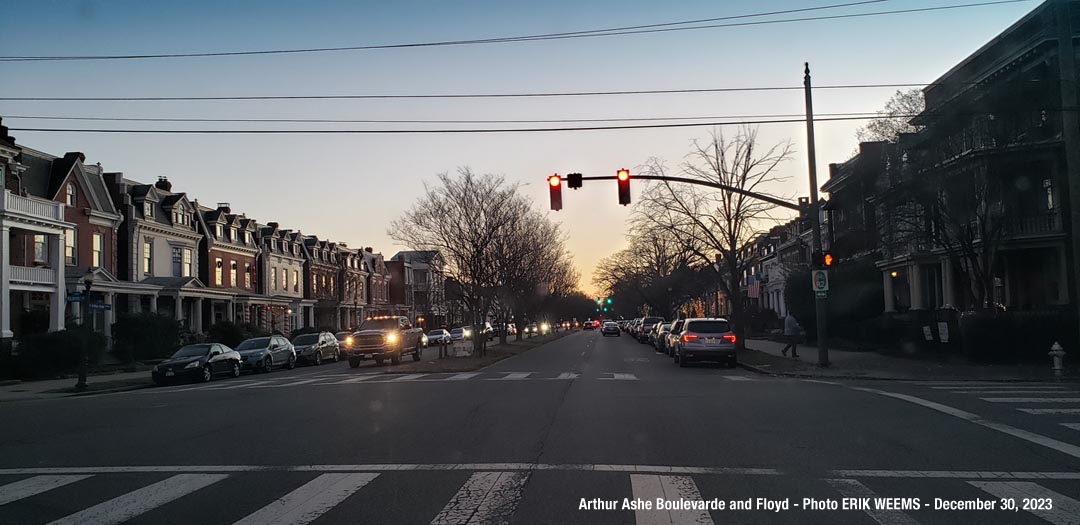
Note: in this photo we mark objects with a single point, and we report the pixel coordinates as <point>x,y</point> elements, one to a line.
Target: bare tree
<point>716,225</point>
<point>894,119</point>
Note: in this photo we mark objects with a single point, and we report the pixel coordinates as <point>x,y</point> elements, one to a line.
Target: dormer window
<point>234,235</point>
<point>219,231</point>
<point>71,194</point>
<point>148,209</point>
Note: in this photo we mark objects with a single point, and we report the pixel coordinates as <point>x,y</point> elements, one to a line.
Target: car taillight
<point>686,338</point>
<point>730,337</point>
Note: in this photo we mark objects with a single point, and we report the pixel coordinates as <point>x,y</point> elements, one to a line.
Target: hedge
<point>52,353</point>
<point>145,335</point>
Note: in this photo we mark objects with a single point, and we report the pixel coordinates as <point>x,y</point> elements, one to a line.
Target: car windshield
<point>306,339</point>
<point>192,351</point>
<point>708,327</point>
<point>252,344</point>
<point>436,333</point>
<point>380,324</point>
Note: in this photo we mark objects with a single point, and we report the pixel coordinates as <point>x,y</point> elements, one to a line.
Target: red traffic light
<point>623,177</point>
<point>556,192</point>
<point>555,181</point>
<point>624,174</point>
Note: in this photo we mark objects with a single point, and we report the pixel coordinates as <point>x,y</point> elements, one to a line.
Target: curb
<point>774,373</point>
<point>111,390</point>
<point>10,382</point>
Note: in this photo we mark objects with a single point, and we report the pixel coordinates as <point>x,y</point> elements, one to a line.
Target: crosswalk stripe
<point>1074,426</point>
<point>567,375</point>
<point>462,377</point>
<point>1064,511</point>
<point>1031,399</point>
<point>738,378</point>
<point>291,383</point>
<point>650,487</point>
<point>851,488</point>
<point>137,502</point>
<point>620,377</point>
<point>513,376</point>
<point>352,380</point>
<point>486,497</point>
<point>1050,411</point>
<point>1001,387</point>
<point>408,377</point>
<point>233,386</point>
<point>1010,392</point>
<point>33,486</point>
<point>310,501</point>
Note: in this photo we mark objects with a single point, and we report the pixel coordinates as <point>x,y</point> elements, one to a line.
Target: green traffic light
<point>608,300</point>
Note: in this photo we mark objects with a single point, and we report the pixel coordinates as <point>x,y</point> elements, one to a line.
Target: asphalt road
<point>585,420</point>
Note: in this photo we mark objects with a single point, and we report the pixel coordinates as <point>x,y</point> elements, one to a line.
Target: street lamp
<point>84,357</point>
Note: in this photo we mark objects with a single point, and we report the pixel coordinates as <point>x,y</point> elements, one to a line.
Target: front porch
<point>33,236</point>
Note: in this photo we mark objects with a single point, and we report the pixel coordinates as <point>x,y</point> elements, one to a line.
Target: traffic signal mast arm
<point>766,198</point>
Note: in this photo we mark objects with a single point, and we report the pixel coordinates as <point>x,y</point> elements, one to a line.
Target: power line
<point>628,30</point>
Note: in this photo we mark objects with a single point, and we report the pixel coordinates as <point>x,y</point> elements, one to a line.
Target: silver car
<point>671,339</point>
<point>659,341</point>
<point>706,339</point>
<point>439,336</point>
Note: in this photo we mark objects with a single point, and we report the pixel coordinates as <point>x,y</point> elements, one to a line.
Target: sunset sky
<point>350,187</point>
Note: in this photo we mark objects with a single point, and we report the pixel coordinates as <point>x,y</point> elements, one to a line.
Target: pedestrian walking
<point>792,331</point>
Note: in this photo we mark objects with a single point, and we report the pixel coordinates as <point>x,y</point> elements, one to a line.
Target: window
<point>218,231</point>
<point>148,210</point>
<point>232,273</point>
<point>247,275</point>
<point>97,256</point>
<point>218,269</point>
<point>187,262</point>
<point>1049,186</point>
<point>41,249</point>
<point>295,281</point>
<point>147,255</point>
<point>273,278</point>
<point>284,279</point>
<point>71,194</point>
<point>234,235</point>
<point>70,257</point>
<point>177,262</point>
<point>331,285</point>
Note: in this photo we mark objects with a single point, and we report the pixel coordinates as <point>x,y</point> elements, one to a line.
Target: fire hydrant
<point>1058,355</point>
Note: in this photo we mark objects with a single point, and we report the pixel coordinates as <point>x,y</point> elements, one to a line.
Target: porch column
<point>59,296</point>
<point>310,316</point>
<point>153,303</point>
<point>5,281</point>
<point>948,296</point>
<point>890,297</point>
<point>231,315</point>
<point>179,307</point>
<point>196,323</point>
<point>109,316</point>
<point>915,284</point>
<point>134,303</point>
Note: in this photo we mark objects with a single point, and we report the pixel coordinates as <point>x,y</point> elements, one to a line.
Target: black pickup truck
<point>382,338</point>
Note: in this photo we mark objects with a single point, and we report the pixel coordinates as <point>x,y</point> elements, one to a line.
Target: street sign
<point>820,279</point>
<point>100,306</point>
<point>75,297</point>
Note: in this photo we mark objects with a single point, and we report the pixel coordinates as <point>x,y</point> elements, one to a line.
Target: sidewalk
<point>54,388</point>
<point>764,356</point>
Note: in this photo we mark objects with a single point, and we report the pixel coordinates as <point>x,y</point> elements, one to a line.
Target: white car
<point>439,336</point>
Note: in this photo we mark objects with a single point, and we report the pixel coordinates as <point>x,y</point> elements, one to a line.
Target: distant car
<point>588,324</point>
<point>659,339</point>
<point>671,339</point>
<point>440,336</point>
<point>314,348</point>
<point>200,362</point>
<point>531,329</point>
<point>706,339</point>
<point>345,341</point>
<point>647,324</point>
<point>459,334</point>
<point>610,328</point>
<point>262,354</point>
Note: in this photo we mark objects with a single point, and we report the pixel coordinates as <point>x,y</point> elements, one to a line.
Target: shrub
<point>227,333</point>
<point>51,353</point>
<point>145,335</point>
<point>1017,336</point>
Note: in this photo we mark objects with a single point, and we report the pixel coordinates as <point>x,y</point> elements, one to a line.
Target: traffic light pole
<point>766,198</point>
<point>820,303</point>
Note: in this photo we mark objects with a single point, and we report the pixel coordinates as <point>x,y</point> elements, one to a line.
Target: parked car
<point>314,348</point>
<point>262,354</point>
<point>460,334</point>
<point>200,362</point>
<point>440,336</point>
<point>647,324</point>
<point>659,338</point>
<point>531,329</point>
<point>345,340</point>
<point>383,338</point>
<point>610,328</point>
<point>706,339</point>
<point>672,337</point>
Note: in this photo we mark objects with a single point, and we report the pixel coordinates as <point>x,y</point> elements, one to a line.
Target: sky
<point>350,187</point>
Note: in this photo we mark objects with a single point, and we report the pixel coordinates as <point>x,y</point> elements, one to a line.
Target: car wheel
<point>379,361</point>
<point>207,374</point>
<point>318,358</point>
<point>236,369</point>
<point>734,362</point>
<point>292,362</point>
<point>268,364</point>
<point>682,362</point>
<point>395,359</point>
<point>354,363</point>
<point>416,353</point>
<point>158,381</point>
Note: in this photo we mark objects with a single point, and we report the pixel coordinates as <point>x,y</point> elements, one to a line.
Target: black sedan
<point>199,362</point>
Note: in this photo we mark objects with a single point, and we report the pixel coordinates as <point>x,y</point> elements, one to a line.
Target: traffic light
<point>556,192</point>
<point>573,180</point>
<point>827,259</point>
<point>608,300</point>
<point>624,186</point>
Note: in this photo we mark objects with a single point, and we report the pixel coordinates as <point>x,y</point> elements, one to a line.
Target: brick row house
<point>81,245</point>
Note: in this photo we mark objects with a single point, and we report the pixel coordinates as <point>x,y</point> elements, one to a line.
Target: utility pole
<point>1071,133</point>
<point>820,302</point>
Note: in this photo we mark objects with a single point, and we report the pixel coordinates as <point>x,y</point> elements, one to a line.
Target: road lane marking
<point>619,377</point>
<point>34,486</point>
<point>134,503</point>
<point>851,488</point>
<point>232,387</point>
<point>283,385</point>
<point>353,380</point>
<point>1050,411</point>
<point>512,376</point>
<point>1064,511</point>
<point>954,474</point>
<point>310,501</point>
<point>1009,392</point>
<point>1001,387</point>
<point>462,377</point>
<point>486,497</point>
<point>408,377</point>
<point>738,378</point>
<point>650,487</point>
<point>1060,446</point>
<point>1074,426</point>
<point>1031,399</point>
<point>396,467</point>
<point>567,375</point>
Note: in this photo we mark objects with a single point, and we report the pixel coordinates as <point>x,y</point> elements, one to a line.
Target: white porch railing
<point>32,206</point>
<point>28,275</point>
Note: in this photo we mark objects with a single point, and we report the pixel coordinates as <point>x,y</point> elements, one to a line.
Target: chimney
<point>273,225</point>
<point>224,206</point>
<point>368,249</point>
<point>163,184</point>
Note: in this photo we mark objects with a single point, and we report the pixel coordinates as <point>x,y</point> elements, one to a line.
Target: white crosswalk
<point>494,496</point>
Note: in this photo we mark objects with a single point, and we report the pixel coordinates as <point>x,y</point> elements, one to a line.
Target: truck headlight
<point>390,338</point>
<point>348,341</point>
